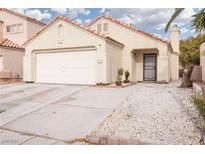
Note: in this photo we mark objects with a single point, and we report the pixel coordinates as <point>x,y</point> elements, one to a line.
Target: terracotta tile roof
<point>23,16</point>
<point>76,24</point>
<point>4,42</point>
<point>129,27</point>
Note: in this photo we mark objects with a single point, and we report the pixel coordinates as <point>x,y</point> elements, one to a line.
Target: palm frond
<point>198,22</point>
<point>174,16</point>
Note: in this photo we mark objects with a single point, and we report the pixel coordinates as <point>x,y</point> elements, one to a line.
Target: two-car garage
<point>72,67</point>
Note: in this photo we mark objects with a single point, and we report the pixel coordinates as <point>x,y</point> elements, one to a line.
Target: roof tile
<point>4,42</point>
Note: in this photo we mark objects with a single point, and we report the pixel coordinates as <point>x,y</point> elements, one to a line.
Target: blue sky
<point>148,19</point>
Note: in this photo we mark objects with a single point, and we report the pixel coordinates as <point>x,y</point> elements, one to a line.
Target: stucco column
<point>175,38</point>
<point>128,63</point>
<point>202,60</point>
<point>101,64</point>
<point>162,68</point>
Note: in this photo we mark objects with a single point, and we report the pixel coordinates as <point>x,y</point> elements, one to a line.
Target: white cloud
<point>152,17</point>
<point>74,12</point>
<point>160,26</point>
<point>37,14</point>
<point>19,10</point>
<point>33,13</point>
<point>60,10</point>
<point>184,30</point>
<point>87,20</point>
<point>187,31</point>
<point>102,10</point>
<point>127,19</point>
<point>71,12</point>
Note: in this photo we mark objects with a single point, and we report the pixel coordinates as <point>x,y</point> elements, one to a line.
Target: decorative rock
<point>155,113</point>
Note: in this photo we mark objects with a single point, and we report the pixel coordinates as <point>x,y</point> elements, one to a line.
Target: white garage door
<point>77,67</point>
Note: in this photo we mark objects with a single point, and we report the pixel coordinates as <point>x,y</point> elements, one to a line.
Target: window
<point>102,27</point>
<point>105,27</point>
<point>60,32</point>
<point>15,28</point>
<point>8,29</point>
<point>99,27</point>
<point>20,27</point>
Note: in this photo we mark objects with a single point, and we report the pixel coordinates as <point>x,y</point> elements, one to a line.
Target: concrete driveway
<point>53,114</point>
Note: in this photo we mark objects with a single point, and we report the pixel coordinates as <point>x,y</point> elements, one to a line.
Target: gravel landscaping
<point>156,114</point>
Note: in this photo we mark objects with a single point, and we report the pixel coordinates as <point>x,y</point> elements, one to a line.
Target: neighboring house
<point>202,60</point>
<point>15,29</point>
<point>67,52</point>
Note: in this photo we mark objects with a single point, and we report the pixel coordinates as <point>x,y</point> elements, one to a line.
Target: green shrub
<point>200,104</point>
<point>120,72</point>
<point>127,74</point>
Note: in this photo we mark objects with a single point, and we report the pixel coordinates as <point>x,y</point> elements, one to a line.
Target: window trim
<point>99,27</point>
<point>17,29</point>
<point>105,23</point>
<point>60,33</point>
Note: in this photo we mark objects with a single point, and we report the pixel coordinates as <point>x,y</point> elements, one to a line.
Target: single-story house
<point>202,60</point>
<point>67,52</point>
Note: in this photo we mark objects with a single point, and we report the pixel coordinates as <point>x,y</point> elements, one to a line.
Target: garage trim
<point>79,48</point>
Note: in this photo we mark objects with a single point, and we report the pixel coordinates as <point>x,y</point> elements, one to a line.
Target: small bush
<point>127,74</point>
<point>120,72</point>
<point>200,104</point>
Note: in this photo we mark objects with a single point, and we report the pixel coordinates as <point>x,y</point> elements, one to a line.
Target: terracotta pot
<point>126,81</point>
<point>118,83</point>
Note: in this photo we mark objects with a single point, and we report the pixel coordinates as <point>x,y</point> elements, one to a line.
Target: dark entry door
<point>150,67</point>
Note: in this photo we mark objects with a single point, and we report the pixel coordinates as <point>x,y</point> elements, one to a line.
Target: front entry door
<point>150,67</point>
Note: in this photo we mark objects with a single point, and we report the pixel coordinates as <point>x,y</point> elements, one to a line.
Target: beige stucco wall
<point>32,29</point>
<point>29,28</point>
<point>133,40</point>
<point>72,37</point>
<point>113,57</point>
<point>12,61</point>
<point>202,60</point>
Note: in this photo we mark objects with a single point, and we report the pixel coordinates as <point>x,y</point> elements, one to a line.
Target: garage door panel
<point>66,67</point>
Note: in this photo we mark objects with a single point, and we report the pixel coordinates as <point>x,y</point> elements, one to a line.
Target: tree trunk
<point>186,77</point>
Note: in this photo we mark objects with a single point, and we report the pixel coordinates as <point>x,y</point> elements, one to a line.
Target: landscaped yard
<point>156,114</point>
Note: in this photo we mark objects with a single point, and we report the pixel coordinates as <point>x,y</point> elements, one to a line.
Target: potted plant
<point>119,77</point>
<point>127,74</point>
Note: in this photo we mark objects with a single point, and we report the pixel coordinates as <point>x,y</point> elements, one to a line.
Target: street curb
<point>107,140</point>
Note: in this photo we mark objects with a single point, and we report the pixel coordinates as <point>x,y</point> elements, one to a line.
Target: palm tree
<point>177,12</point>
<point>198,22</point>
